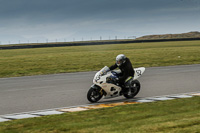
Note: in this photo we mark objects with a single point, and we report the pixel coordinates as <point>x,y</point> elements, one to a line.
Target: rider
<point>126,68</point>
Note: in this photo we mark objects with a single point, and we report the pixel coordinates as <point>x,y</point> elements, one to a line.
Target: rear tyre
<point>133,91</point>
<point>94,94</point>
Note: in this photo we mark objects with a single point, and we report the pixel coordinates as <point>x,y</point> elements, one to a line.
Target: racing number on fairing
<point>97,78</point>
<point>139,72</point>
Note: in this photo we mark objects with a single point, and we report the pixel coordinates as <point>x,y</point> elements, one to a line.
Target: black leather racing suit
<point>126,71</point>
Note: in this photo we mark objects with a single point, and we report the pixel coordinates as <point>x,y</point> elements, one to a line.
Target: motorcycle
<point>104,86</point>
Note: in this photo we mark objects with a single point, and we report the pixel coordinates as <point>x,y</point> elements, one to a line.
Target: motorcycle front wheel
<point>135,88</point>
<point>94,94</point>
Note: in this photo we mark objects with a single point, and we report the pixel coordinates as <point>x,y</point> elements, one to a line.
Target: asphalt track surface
<point>31,93</point>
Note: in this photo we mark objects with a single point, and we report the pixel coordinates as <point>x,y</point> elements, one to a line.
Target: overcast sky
<point>75,20</point>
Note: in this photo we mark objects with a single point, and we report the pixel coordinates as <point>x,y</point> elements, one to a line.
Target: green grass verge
<point>22,62</point>
<point>179,115</point>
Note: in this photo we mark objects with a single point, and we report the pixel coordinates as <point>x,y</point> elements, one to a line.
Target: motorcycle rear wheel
<point>94,94</point>
<point>135,88</point>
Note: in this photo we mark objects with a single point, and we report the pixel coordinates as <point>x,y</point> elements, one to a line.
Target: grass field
<point>21,62</point>
<point>180,115</point>
<point>173,116</point>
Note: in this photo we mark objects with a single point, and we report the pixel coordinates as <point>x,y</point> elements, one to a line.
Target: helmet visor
<point>119,62</point>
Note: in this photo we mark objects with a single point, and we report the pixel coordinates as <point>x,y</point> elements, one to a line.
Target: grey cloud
<point>45,10</point>
<point>27,19</point>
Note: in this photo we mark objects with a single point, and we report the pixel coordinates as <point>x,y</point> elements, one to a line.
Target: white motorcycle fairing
<point>112,90</point>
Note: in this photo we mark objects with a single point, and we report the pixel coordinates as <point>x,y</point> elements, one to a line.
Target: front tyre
<point>94,94</point>
<point>133,90</point>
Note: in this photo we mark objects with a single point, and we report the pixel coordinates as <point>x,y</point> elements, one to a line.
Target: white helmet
<point>120,59</point>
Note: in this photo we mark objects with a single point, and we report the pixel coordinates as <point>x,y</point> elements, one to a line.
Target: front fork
<point>99,89</point>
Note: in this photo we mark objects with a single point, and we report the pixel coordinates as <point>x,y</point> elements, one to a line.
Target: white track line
<point>22,115</point>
